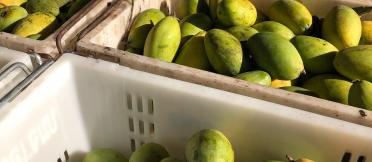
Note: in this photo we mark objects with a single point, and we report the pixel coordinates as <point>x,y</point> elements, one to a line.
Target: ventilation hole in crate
<point>139,104</point>
<point>141,126</point>
<point>59,160</point>
<point>346,157</point>
<point>131,125</point>
<point>132,145</point>
<point>129,102</point>
<point>151,106</point>
<point>362,159</point>
<point>152,129</point>
<point>67,157</point>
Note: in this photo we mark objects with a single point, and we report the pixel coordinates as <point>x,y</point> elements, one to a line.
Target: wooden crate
<point>106,40</point>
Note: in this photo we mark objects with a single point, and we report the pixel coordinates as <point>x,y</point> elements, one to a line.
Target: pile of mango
<point>36,19</point>
<point>287,48</point>
<point>207,145</point>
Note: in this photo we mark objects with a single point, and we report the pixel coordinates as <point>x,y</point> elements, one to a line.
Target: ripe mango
<point>317,54</point>
<point>342,27</point>
<point>36,23</point>
<point>242,33</point>
<point>275,27</point>
<point>9,15</point>
<point>330,87</point>
<point>2,5</point>
<point>209,146</point>
<point>163,40</point>
<point>281,83</point>
<point>299,90</point>
<point>360,94</point>
<point>12,2</point>
<point>224,52</point>
<point>47,6</point>
<point>141,27</point>
<point>193,53</point>
<point>292,14</point>
<point>187,7</point>
<point>276,55</point>
<point>105,155</point>
<point>193,24</point>
<point>236,12</point>
<point>150,152</point>
<point>355,63</point>
<point>170,159</point>
<point>366,38</point>
<point>258,77</point>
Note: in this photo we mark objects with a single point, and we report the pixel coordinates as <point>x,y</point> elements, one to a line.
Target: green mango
<point>193,53</point>
<point>141,27</point>
<point>300,90</point>
<point>360,94</point>
<point>366,38</point>
<point>355,63</point>
<point>193,24</point>
<point>275,27</point>
<point>61,3</point>
<point>150,152</point>
<point>170,159</point>
<point>209,146</point>
<point>276,55</point>
<point>224,52</point>
<point>76,6</point>
<point>330,87</point>
<point>342,27</point>
<point>213,4</point>
<point>47,6</point>
<point>187,7</point>
<point>317,54</point>
<point>243,33</point>
<point>236,12</point>
<point>163,40</point>
<point>10,15</point>
<point>105,155</point>
<point>258,77</point>
<point>292,14</point>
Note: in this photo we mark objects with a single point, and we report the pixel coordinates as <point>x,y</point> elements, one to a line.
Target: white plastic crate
<point>107,40</point>
<point>81,103</point>
<point>7,58</point>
